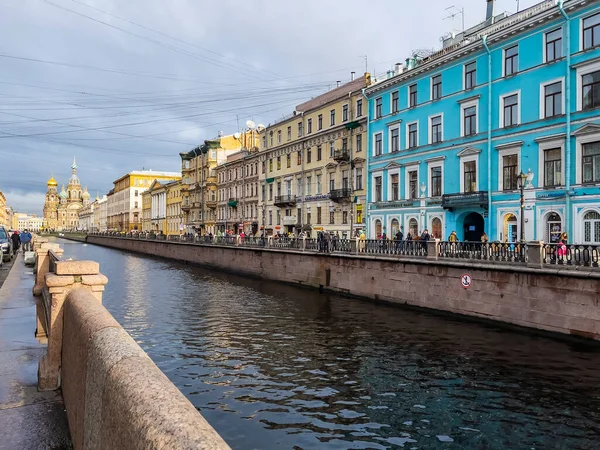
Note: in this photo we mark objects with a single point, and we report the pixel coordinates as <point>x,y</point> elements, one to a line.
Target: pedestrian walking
<point>16,241</point>
<point>25,238</point>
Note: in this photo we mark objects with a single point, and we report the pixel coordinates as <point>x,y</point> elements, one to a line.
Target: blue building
<point>450,133</point>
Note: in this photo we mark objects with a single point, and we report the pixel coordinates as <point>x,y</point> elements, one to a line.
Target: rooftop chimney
<point>339,83</point>
<point>352,76</point>
<point>489,15</point>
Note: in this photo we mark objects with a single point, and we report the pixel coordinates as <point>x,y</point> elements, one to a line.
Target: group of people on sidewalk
<point>21,239</point>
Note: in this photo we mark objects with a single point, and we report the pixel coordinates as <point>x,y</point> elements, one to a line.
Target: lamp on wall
<point>521,180</point>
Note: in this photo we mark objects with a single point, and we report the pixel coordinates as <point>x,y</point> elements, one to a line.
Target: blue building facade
<point>450,134</point>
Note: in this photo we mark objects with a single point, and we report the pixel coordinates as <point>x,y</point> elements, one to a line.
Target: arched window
<point>510,228</point>
<point>378,229</point>
<point>413,227</point>
<point>553,228</point>
<point>436,228</point>
<point>395,227</point>
<point>591,227</point>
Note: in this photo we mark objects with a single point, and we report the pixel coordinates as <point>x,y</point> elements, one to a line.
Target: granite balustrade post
<point>535,254</point>
<point>69,275</point>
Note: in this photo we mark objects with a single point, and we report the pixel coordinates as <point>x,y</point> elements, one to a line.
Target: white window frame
<point>429,119</point>
<point>545,41</point>
<point>559,142</point>
<point>408,134</point>
<point>581,19</point>
<point>509,150</point>
<point>501,111</point>
<point>410,168</point>
<point>374,142</point>
<point>392,101</point>
<point>579,141</point>
<point>582,214</point>
<point>463,160</point>
<point>581,71</point>
<point>543,96</point>
<point>408,93</point>
<point>464,75</point>
<point>389,184</point>
<point>390,129</point>
<point>346,105</point>
<point>511,45</point>
<point>463,107</point>
<point>431,165</point>
<point>374,175</point>
<point>431,87</point>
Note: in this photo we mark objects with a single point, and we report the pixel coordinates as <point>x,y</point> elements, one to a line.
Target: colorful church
<point>61,209</point>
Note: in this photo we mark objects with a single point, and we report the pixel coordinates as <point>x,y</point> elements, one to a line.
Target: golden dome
<point>52,182</point>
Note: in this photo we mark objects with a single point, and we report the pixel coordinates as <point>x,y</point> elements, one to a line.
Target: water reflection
<point>274,366</point>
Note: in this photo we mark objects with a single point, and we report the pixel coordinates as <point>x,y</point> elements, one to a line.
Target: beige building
<point>314,165</point>
<point>175,224</point>
<point>86,217</point>
<point>100,213</point>
<point>4,219</point>
<point>30,223</point>
<point>238,193</point>
<point>125,202</point>
<point>199,178</point>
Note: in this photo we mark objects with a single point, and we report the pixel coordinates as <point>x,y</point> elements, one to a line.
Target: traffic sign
<point>466,280</point>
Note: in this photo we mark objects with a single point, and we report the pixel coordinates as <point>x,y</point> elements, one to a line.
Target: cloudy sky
<point>128,84</point>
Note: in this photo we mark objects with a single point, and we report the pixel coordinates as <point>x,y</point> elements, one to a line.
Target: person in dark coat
<point>16,241</point>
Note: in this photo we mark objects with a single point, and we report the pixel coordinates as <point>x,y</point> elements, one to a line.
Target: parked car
<point>6,245</point>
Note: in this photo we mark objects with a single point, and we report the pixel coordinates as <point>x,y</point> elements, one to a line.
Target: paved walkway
<point>28,419</point>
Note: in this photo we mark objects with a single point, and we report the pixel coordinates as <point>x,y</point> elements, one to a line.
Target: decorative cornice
<point>552,137</point>
<point>590,128</point>
<point>468,151</point>
<point>473,43</point>
<point>469,99</point>
<point>435,159</point>
<point>509,145</point>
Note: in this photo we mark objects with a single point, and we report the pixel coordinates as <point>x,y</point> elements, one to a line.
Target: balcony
<point>285,200</point>
<point>186,207</point>
<point>232,202</point>
<point>463,200</point>
<point>340,195</point>
<point>342,155</point>
<point>211,204</point>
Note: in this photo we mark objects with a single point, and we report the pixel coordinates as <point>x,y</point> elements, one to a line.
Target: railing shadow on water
<point>571,255</point>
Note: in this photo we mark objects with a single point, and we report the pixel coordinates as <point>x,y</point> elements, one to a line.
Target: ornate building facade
<point>61,209</point>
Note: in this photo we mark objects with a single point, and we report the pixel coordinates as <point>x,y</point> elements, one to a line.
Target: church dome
<point>63,193</point>
<point>86,194</point>
<point>52,182</point>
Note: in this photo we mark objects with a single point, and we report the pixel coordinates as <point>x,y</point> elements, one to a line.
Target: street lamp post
<point>522,178</point>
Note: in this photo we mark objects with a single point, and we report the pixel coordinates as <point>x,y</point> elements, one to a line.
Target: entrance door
<point>553,228</point>
<point>473,227</point>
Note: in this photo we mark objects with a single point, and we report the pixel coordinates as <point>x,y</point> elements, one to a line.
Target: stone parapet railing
<point>115,396</point>
<point>525,254</point>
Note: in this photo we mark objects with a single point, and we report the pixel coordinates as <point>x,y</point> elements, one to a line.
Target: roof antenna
<point>453,11</point>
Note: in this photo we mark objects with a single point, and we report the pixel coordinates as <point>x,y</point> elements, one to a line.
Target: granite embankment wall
<point>563,301</point>
<point>115,396</point>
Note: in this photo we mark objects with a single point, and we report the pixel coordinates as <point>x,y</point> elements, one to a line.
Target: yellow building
<point>199,183</point>
<point>3,211</point>
<point>147,210</point>
<point>314,164</point>
<point>175,222</point>
<point>125,204</point>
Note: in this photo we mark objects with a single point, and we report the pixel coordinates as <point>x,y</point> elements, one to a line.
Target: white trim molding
<point>543,85</point>
<point>506,150</point>
<point>582,70</point>
<point>501,106</point>
<point>410,168</point>
<point>463,107</point>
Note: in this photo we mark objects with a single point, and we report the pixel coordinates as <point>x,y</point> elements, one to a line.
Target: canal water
<point>274,366</point>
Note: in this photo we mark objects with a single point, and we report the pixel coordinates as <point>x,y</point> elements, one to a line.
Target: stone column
<point>529,213</point>
<point>433,247</point>
<point>69,275</point>
<point>43,263</point>
<point>535,254</point>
